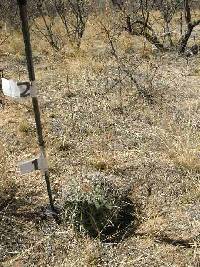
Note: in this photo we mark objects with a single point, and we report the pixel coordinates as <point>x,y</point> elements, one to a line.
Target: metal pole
<point>26,35</point>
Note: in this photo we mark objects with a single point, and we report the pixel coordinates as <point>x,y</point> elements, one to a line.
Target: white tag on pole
<point>35,164</point>
<point>16,89</point>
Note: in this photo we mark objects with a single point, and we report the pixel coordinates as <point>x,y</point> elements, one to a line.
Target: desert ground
<point>98,122</point>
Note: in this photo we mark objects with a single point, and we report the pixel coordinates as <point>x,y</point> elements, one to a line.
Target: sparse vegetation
<point>121,124</point>
<point>25,128</point>
<point>99,208</point>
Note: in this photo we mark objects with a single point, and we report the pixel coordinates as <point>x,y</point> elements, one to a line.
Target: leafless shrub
<point>128,71</point>
<point>190,26</point>
<point>138,20</point>
<point>74,15</point>
<point>9,12</point>
<point>168,10</point>
<point>48,18</point>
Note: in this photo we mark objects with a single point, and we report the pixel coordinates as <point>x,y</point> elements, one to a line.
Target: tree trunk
<point>184,39</point>
<point>190,26</point>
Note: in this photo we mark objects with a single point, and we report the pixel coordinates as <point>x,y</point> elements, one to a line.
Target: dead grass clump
<point>25,128</point>
<point>187,159</point>
<point>102,161</point>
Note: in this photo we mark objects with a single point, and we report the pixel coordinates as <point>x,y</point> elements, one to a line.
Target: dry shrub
<point>97,207</point>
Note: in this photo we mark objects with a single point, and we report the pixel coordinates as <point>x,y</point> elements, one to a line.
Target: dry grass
<point>94,119</point>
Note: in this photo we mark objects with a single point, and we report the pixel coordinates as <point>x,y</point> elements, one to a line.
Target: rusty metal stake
<point>26,35</point>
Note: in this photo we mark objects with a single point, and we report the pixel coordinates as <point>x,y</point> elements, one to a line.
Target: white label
<point>29,166</point>
<point>33,165</point>
<point>15,89</point>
